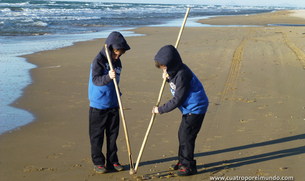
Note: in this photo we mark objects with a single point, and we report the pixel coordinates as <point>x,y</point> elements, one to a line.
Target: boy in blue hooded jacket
<point>103,112</point>
<point>189,96</point>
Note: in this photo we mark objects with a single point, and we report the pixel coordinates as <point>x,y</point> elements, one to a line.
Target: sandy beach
<point>253,76</point>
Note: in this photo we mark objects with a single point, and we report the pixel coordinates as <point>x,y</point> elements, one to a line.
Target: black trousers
<point>101,121</point>
<point>188,130</point>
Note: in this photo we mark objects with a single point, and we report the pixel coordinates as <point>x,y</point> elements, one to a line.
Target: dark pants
<point>188,130</point>
<point>99,122</point>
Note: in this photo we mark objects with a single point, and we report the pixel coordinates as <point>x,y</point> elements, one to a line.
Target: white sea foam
<point>40,23</point>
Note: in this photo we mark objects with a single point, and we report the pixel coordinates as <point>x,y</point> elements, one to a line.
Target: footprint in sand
<point>55,155</point>
<point>76,165</point>
<point>68,145</point>
<point>31,168</point>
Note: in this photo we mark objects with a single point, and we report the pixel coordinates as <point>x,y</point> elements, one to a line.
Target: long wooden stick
<point>160,95</point>
<point>122,113</point>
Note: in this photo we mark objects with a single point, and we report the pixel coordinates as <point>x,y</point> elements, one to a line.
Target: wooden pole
<point>159,98</point>
<point>122,113</point>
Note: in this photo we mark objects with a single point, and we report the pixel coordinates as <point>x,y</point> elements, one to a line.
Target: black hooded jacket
<point>101,89</point>
<point>188,92</point>
<point>114,41</point>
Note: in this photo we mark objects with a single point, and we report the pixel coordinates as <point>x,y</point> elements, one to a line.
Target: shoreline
<point>56,146</point>
<point>36,44</point>
<point>24,115</point>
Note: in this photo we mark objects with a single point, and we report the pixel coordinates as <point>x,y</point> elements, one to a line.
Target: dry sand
<point>263,19</point>
<point>254,78</point>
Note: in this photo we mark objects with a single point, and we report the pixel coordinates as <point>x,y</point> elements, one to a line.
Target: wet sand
<point>253,76</point>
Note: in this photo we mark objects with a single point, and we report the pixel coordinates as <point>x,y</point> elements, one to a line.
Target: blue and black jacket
<point>188,92</point>
<point>101,89</point>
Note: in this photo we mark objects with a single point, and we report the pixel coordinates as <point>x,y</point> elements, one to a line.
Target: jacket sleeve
<point>182,88</point>
<point>100,76</point>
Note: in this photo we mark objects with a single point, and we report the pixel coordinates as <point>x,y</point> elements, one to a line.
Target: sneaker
<point>184,171</point>
<point>175,166</point>
<point>100,168</point>
<point>118,167</point>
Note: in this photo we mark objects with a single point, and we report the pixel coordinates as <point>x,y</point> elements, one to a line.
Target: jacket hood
<point>169,56</point>
<point>115,40</point>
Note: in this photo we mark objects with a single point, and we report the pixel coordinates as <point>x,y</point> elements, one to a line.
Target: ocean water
<point>29,26</point>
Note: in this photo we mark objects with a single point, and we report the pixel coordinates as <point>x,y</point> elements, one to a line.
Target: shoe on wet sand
<point>100,168</point>
<point>185,171</point>
<point>115,166</point>
<point>118,167</point>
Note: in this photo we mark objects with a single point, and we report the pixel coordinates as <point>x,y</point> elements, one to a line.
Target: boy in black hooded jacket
<point>104,113</point>
<point>189,96</point>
